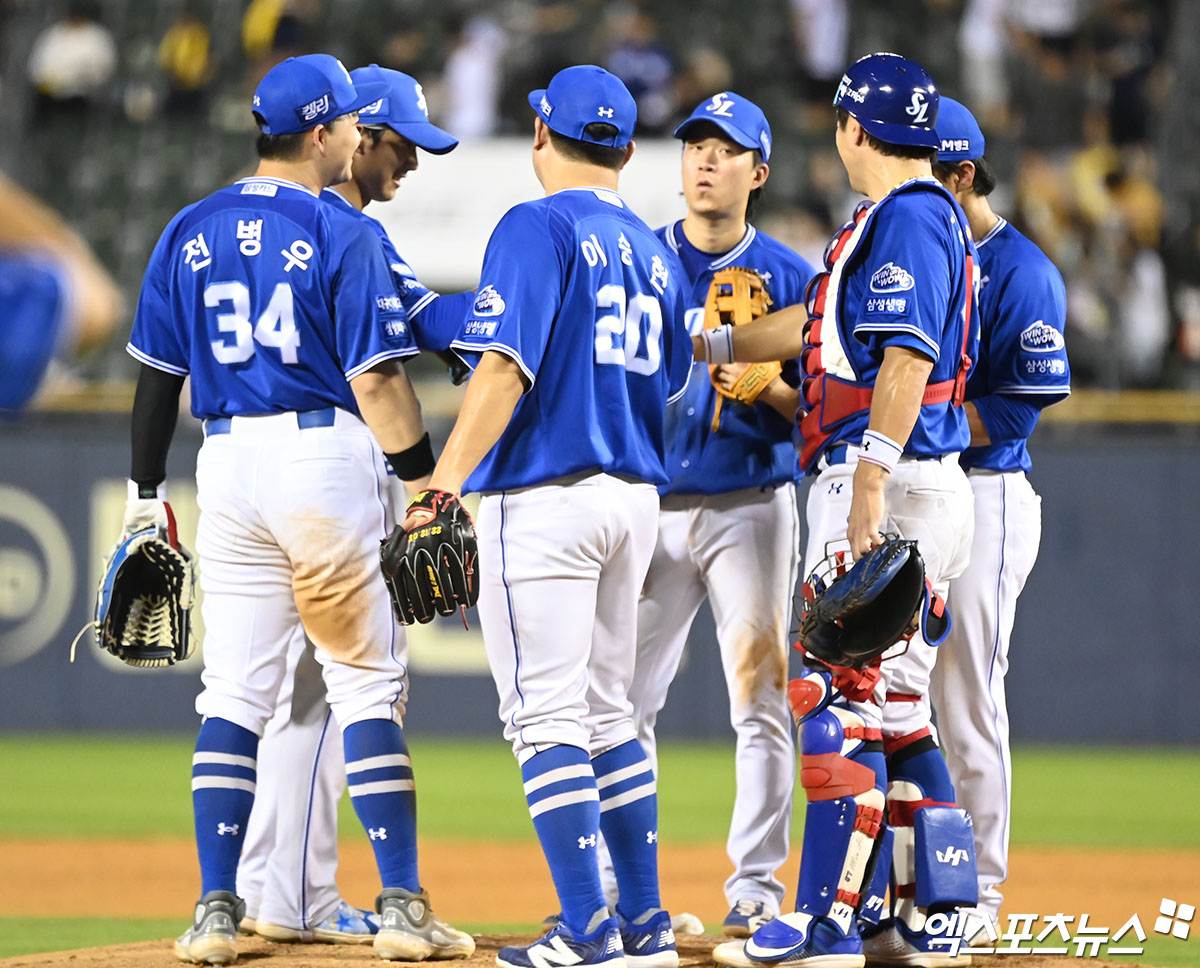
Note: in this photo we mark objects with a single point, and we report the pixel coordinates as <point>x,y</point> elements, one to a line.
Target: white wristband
<point>880,450</point>
<point>718,345</point>
<point>132,492</point>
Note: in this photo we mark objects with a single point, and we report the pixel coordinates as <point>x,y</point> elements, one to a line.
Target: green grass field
<point>1084,798</point>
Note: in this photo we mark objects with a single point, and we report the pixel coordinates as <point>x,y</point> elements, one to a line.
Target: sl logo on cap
<point>721,104</point>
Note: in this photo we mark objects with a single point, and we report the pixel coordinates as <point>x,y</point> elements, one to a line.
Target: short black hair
<point>755,194</point>
<point>985,178</point>
<point>602,156</point>
<point>284,147</point>
<point>911,152</point>
<point>278,147</point>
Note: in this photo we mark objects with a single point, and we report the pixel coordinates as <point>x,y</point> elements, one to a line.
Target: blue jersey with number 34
<point>582,295</point>
<point>271,299</point>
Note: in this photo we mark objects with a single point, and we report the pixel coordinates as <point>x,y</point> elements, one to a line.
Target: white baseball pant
<point>740,550</point>
<point>561,566</point>
<point>968,681</point>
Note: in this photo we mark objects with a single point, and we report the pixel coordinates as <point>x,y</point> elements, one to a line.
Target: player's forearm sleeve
<point>152,424</point>
<point>1006,417</point>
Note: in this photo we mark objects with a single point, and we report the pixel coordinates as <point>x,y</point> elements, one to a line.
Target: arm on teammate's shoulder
<point>152,424</point>
<point>1002,416</point>
<point>776,336</point>
<point>492,395</point>
<point>389,406</point>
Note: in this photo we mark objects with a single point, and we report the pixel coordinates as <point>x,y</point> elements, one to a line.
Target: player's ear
<point>541,133</point>
<point>966,176</point>
<point>629,149</point>
<point>762,171</point>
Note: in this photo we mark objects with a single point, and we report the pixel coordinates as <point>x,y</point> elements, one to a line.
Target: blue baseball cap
<point>302,92</point>
<point>579,95</point>
<point>402,108</point>
<point>740,118</point>
<point>958,132</point>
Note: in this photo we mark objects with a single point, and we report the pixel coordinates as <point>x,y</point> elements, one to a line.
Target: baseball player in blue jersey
<point>56,300</point>
<point>1022,368</point>
<point>728,529</point>
<point>579,320</point>
<point>886,349</point>
<point>283,311</point>
<point>289,860</point>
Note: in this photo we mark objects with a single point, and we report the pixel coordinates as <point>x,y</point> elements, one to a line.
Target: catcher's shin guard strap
<point>872,907</point>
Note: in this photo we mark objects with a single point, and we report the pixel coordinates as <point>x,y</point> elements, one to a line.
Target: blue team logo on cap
<point>1041,338</point>
<point>891,278</point>
<point>721,105</point>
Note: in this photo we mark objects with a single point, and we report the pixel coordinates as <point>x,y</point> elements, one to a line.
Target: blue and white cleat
<point>744,918</point>
<point>559,946</point>
<point>897,945</point>
<point>345,925</point>
<point>649,945</point>
<point>794,939</point>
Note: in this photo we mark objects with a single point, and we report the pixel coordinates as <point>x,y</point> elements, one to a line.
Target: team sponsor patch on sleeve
<point>891,278</point>
<point>389,303</point>
<point>480,327</point>
<point>1041,338</point>
<point>394,328</point>
<point>488,302</point>
<point>890,305</point>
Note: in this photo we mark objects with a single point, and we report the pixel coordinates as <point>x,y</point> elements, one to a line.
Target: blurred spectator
<point>983,48</point>
<point>72,63</point>
<point>1050,93</point>
<point>1129,45</point>
<point>185,55</point>
<point>643,62</point>
<point>706,71</point>
<point>472,77</point>
<point>273,30</point>
<point>821,38</point>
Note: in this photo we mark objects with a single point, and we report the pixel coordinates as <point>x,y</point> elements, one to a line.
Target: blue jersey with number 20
<point>271,299</point>
<point>579,292</point>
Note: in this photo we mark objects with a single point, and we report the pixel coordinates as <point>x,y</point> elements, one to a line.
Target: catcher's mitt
<point>431,566</point>
<point>854,614</point>
<point>144,601</point>
<point>737,295</point>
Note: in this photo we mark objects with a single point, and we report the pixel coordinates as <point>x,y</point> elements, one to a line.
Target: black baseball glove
<point>144,602</point>
<point>431,566</point>
<point>853,614</point>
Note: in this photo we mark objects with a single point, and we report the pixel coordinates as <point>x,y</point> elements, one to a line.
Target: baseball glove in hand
<point>144,602</point>
<point>431,566</point>
<point>737,295</point>
<point>852,615</point>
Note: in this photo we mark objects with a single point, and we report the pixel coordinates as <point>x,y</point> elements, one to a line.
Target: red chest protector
<point>826,399</point>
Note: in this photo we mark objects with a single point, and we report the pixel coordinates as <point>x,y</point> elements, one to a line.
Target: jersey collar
<point>270,179</point>
<point>721,260</point>
<point>993,232</point>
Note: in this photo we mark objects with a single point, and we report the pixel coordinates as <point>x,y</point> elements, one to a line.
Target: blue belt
<point>305,420</point>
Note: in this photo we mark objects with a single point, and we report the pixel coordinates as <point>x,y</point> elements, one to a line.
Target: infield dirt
<point>490,883</point>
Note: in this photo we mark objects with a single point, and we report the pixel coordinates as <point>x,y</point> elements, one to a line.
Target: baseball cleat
<point>896,944</point>
<point>212,938</point>
<point>651,944</point>
<point>744,918</point>
<point>560,946</point>
<point>794,939</point>
<point>346,925</point>
<point>410,931</point>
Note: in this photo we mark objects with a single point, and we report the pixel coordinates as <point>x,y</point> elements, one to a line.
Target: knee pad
<point>844,815</point>
<point>933,860</point>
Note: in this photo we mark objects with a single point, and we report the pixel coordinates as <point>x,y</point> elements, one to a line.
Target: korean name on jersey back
<point>270,299</point>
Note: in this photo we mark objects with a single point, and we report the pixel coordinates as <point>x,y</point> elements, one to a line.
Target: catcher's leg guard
<point>933,862</point>
<point>840,769</point>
